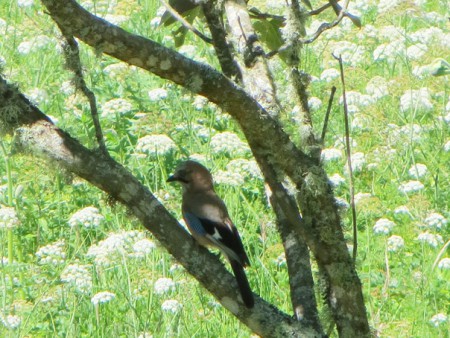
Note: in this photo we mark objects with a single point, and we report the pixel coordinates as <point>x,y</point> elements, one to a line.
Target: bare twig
<point>349,161</point>
<point>327,115</point>
<point>186,24</point>
<point>73,62</point>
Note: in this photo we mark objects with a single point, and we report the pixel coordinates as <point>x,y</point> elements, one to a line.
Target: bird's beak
<point>172,178</point>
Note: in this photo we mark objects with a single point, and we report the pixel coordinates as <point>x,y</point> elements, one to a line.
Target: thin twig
<point>349,161</point>
<point>186,24</point>
<point>73,62</point>
<point>327,115</point>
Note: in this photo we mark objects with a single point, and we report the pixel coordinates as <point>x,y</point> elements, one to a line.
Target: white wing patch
<point>216,235</point>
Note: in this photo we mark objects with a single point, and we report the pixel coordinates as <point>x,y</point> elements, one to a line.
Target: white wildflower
<point>411,186</point>
<point>444,264</point>
<point>357,99</point>
<point>158,144</point>
<point>331,154</point>
<point>116,106</point>
<point>342,204</point>
<point>314,103</point>
<point>336,180</point>
<point>418,170</point>
<point>447,146</point>
<point>229,178</point>
<point>171,305</point>
<point>416,52</point>
<point>358,161</point>
<point>116,19</point>
<point>246,168</point>
<point>416,99</point>
<point>403,209</point>
<point>395,243</point>
<point>37,95</point>
<point>116,69</point>
<point>144,246</point>
<point>390,52</point>
<point>362,197</point>
<point>11,322</point>
<point>116,246</point>
<point>436,220</point>
<point>432,239</point>
<point>25,3</point>
<point>8,217</point>
<point>88,217</point>
<point>164,285</point>
<point>438,319</point>
<point>53,253</point>
<point>102,297</point>
<point>329,74</point>
<point>78,276</point>
<point>157,94</point>
<point>351,53</point>
<point>383,226</point>
<point>377,87</point>
<point>200,102</point>
<point>228,142</point>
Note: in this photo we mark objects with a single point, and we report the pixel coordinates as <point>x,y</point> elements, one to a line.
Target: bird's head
<point>192,176</point>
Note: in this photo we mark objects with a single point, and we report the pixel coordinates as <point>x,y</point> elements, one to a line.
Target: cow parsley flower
<point>171,305</point>
<point>116,246</point>
<point>144,246</point>
<point>395,243</point>
<point>416,99</point>
<point>416,52</point>
<point>88,217</point>
<point>157,94</point>
<point>11,322</point>
<point>377,87</point>
<point>436,220</point>
<point>383,226</point>
<point>246,168</point>
<point>402,210</point>
<point>8,217</point>
<point>351,53</point>
<point>438,319</point>
<point>116,106</point>
<point>329,75</point>
<point>53,253</point>
<point>102,297</point>
<point>432,239</point>
<point>314,103</point>
<point>25,3</point>
<point>157,144</point>
<point>358,162</point>
<point>336,180</point>
<point>228,142</point>
<point>331,154</point>
<point>418,170</point>
<point>164,285</point>
<point>234,179</point>
<point>411,187</point>
<point>444,264</point>
<point>78,276</point>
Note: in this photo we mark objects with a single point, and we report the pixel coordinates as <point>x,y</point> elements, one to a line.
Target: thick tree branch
<point>36,135</point>
<point>321,227</point>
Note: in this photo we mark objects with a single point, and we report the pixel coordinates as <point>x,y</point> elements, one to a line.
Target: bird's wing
<point>222,235</point>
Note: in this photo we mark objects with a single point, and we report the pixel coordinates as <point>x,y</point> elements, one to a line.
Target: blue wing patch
<point>194,223</point>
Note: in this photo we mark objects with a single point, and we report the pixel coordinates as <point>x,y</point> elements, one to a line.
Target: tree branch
<point>321,228</point>
<point>36,135</point>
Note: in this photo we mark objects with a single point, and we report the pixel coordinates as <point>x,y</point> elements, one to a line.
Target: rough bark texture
<point>320,226</point>
<point>36,135</point>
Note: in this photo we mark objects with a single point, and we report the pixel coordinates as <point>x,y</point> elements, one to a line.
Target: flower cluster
<point>88,217</point>
<point>436,220</point>
<point>116,106</point>
<point>228,142</point>
<point>418,170</point>
<point>383,226</point>
<point>171,305</point>
<point>53,253</point>
<point>411,187</point>
<point>11,322</point>
<point>102,297</point>
<point>438,319</point>
<point>157,94</point>
<point>431,239</point>
<point>444,264</point>
<point>395,243</point>
<point>416,99</point>
<point>119,245</point>
<point>78,276</point>
<point>8,217</point>
<point>164,285</point>
<point>157,144</point>
<point>246,168</point>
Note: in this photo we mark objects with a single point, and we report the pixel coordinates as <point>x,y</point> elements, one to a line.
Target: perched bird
<point>208,221</point>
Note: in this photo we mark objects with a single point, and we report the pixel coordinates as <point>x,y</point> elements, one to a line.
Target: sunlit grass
<point>404,294</point>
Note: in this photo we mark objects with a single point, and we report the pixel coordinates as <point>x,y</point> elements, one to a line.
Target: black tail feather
<point>244,286</point>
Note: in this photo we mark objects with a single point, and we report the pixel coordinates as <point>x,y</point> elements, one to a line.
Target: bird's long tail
<point>244,287</point>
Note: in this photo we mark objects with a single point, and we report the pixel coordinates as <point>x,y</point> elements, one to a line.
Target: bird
<point>208,221</point>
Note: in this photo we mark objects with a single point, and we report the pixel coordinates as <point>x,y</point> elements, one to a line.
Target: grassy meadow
<point>75,265</point>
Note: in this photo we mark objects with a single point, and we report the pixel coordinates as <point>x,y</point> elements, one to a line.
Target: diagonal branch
<point>36,135</point>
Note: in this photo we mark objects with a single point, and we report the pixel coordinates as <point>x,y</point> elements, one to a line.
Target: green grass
<point>401,289</point>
